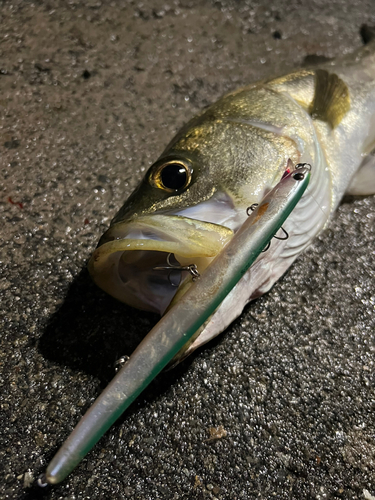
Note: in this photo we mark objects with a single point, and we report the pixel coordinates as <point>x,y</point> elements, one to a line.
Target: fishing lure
<point>182,321</point>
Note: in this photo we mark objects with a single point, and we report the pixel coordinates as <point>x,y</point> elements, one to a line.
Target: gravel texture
<point>282,404</point>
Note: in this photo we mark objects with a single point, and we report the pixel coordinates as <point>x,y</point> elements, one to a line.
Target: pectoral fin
<point>331,98</point>
<point>321,93</point>
<point>363,183</point>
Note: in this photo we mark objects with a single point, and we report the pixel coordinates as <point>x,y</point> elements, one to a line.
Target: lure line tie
<point>297,176</point>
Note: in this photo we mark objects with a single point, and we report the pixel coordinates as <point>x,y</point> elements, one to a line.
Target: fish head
<point>147,252</point>
<point>187,207</point>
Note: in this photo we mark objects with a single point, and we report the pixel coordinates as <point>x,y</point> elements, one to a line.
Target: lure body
<point>194,198</point>
<point>181,322</point>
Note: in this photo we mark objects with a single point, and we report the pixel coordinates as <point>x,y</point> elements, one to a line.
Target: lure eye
<point>171,176</point>
<point>299,176</point>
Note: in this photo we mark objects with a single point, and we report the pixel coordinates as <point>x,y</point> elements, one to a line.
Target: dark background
<point>91,92</point>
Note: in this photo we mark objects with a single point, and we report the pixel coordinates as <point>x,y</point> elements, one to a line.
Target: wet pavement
<point>91,92</point>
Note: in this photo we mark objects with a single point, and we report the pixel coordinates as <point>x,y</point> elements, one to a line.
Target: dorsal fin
<point>331,99</point>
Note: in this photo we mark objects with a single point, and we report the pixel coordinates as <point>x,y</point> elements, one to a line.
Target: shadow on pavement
<point>91,330</point>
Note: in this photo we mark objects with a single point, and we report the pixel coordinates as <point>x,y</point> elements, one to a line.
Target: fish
<point>196,195</point>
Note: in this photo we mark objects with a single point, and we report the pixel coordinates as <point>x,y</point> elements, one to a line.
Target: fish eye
<point>171,176</point>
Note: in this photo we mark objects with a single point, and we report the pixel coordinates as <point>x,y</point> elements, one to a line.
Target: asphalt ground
<point>279,406</point>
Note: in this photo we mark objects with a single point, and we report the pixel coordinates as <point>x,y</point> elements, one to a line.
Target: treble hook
<point>191,268</point>
<point>252,207</point>
<point>285,237</point>
<point>119,363</point>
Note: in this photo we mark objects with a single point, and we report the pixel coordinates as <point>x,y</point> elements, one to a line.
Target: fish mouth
<point>145,261</point>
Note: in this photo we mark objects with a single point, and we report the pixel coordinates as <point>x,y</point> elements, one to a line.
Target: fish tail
<point>363,182</point>
<point>358,68</point>
<point>368,34</point>
<point>365,56</point>
<point>367,53</point>
<point>362,60</point>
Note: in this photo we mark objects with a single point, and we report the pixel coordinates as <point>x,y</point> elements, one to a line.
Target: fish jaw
<point>131,261</point>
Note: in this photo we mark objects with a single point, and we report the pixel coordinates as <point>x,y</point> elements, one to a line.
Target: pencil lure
<point>193,199</point>
<point>189,217</point>
<point>182,321</point>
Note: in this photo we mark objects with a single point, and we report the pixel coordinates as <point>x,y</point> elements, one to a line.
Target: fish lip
<point>200,238</point>
<point>186,238</point>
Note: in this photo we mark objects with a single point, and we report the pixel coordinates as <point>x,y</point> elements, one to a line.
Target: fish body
<point>195,196</point>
